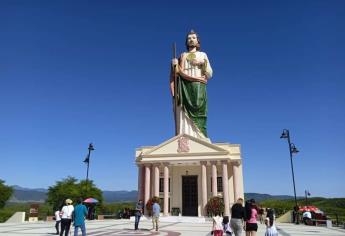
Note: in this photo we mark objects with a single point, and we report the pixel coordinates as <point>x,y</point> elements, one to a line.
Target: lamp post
<point>292,150</point>
<point>306,192</point>
<point>87,161</point>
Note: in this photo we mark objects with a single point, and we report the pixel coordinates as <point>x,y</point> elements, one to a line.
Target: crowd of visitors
<point>243,217</point>
<point>69,214</point>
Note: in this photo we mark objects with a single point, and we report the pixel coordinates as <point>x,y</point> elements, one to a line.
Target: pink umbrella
<point>90,200</point>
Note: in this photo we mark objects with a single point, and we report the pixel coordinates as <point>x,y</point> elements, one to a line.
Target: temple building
<point>185,172</point>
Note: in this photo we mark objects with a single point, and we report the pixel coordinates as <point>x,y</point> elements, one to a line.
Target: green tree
<point>5,193</point>
<point>89,189</point>
<point>70,188</point>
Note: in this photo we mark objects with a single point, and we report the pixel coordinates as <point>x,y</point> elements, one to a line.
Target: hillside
<point>22,195</point>
<point>120,196</point>
<point>259,197</point>
<point>40,195</point>
<point>28,196</point>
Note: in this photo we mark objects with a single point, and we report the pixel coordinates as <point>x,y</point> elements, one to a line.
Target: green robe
<point>193,99</point>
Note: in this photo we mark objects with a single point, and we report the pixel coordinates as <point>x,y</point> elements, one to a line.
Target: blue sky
<point>75,72</point>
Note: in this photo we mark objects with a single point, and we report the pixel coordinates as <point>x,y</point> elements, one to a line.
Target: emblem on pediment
<point>183,145</point>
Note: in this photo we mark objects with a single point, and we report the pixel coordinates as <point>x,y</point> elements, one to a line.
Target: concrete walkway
<point>125,227</point>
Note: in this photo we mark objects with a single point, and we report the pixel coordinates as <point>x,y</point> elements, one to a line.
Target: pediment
<point>184,144</point>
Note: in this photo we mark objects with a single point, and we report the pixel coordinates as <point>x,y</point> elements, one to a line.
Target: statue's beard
<point>191,46</point>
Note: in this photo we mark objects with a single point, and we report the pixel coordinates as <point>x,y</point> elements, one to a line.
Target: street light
<point>87,161</point>
<point>307,193</point>
<point>292,150</point>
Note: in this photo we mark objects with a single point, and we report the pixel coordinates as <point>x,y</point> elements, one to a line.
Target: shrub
<point>215,206</point>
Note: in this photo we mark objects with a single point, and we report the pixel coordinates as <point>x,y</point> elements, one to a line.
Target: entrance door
<point>190,195</point>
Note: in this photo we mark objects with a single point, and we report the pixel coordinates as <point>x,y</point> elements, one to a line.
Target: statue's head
<point>192,40</point>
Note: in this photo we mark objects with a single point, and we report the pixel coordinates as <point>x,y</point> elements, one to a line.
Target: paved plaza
<point>125,227</point>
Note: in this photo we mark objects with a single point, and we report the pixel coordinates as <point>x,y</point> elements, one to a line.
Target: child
<point>217,227</point>
<point>271,229</point>
<point>57,220</point>
<point>226,226</point>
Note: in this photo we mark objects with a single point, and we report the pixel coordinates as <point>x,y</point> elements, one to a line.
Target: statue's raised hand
<point>174,62</point>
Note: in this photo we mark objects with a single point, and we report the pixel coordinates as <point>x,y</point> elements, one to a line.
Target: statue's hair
<point>197,37</point>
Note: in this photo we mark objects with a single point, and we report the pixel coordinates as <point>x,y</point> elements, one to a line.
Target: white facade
<point>193,167</point>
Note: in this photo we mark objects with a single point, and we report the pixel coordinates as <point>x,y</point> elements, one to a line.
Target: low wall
<point>286,218</point>
<point>18,217</point>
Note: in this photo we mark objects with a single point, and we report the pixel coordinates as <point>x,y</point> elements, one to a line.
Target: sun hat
<point>68,201</point>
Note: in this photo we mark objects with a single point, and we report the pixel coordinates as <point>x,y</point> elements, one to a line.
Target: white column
<point>166,190</point>
<point>231,185</point>
<point>152,179</point>
<point>203,187</point>
<point>240,190</point>
<point>156,174</point>
<point>236,177</point>
<point>214,178</point>
<point>147,185</point>
<point>140,183</point>
<point>226,188</point>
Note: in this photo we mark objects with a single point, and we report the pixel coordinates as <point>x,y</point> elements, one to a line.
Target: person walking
<point>251,215</point>
<point>79,214</point>
<point>237,217</point>
<point>271,229</point>
<point>156,209</point>
<point>138,212</point>
<point>57,221</point>
<point>66,217</point>
<point>226,226</point>
<point>262,216</point>
<point>217,226</point>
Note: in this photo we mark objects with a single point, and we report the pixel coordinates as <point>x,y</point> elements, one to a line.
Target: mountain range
<point>21,194</point>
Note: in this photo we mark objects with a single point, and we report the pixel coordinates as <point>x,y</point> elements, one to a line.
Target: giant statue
<point>190,74</point>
